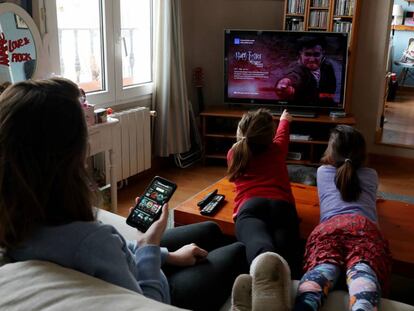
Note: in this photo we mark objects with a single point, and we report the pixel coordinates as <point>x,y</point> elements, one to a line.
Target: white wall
<point>203,24</point>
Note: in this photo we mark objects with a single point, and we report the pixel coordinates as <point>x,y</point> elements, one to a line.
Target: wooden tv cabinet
<point>219,125</point>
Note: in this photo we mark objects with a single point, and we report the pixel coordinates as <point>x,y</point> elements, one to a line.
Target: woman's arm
<point>105,254</point>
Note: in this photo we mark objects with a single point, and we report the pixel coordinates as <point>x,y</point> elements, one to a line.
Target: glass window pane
<point>136,41</point>
<point>80,42</point>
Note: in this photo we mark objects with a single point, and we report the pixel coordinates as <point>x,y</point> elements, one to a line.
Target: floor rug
<point>396,197</point>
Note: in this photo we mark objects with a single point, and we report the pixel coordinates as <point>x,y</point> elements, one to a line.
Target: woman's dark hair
<point>347,152</point>
<point>43,147</point>
<point>254,135</point>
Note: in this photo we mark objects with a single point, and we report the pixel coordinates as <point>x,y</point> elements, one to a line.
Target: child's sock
<point>241,296</point>
<point>271,283</point>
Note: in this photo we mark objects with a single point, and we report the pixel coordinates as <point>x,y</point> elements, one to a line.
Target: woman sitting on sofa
<point>47,199</point>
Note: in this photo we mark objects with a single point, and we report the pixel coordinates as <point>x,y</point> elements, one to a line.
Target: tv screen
<point>285,68</point>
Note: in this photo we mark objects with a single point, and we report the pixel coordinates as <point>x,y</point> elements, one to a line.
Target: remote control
<point>207,198</point>
<point>213,205</point>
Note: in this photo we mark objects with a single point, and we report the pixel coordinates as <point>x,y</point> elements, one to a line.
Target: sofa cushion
<point>119,222</point>
<point>40,285</point>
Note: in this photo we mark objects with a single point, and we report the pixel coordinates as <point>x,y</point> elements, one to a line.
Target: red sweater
<point>266,174</point>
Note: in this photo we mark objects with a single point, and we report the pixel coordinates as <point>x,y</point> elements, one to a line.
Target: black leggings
<point>208,284</point>
<point>266,225</point>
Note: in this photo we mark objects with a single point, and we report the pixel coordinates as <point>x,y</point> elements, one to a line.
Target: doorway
<point>397,120</point>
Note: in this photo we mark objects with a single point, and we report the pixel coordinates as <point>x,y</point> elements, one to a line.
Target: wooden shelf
<point>295,15</point>
<point>402,27</point>
<point>229,112</point>
<point>300,162</point>
<point>318,28</point>
<point>343,17</point>
<point>318,8</point>
<point>225,119</point>
<point>313,142</point>
<point>217,135</point>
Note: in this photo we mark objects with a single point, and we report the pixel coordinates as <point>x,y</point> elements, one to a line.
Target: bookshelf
<point>219,125</point>
<point>327,15</point>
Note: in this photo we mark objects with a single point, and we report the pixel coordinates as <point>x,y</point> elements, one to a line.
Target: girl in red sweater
<point>264,207</point>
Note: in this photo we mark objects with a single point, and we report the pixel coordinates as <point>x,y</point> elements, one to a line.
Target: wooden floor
<point>189,181</point>
<point>396,177</point>
<point>399,114</point>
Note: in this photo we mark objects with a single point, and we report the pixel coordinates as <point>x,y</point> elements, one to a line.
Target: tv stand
<point>294,113</point>
<point>219,125</point>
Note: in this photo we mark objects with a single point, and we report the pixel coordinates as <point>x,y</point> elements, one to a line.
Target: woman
<point>47,199</point>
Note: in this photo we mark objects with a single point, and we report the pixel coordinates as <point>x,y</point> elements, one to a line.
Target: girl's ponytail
<point>347,152</point>
<point>240,158</point>
<point>254,135</point>
<point>347,181</point>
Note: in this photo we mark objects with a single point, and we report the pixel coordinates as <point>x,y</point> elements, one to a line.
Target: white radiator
<point>132,142</point>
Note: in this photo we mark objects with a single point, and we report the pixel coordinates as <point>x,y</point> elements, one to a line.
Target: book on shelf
<point>320,3</point>
<point>299,137</point>
<point>296,6</point>
<point>294,156</point>
<point>342,26</point>
<point>295,24</point>
<point>344,7</point>
<point>318,19</point>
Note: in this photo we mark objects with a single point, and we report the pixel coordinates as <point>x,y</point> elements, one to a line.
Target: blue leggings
<point>363,286</point>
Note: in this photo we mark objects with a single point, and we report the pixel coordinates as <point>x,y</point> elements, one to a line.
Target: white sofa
<point>37,285</point>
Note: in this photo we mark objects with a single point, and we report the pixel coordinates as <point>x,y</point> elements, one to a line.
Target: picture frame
<point>20,23</point>
<point>409,19</point>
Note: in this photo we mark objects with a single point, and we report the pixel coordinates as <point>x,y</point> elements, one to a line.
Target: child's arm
<point>229,156</point>
<point>282,133</point>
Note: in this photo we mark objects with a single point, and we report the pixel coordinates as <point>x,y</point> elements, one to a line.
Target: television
<point>283,69</point>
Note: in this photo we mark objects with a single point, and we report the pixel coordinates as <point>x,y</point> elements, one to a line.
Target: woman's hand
<point>286,116</point>
<point>187,255</point>
<point>155,231</point>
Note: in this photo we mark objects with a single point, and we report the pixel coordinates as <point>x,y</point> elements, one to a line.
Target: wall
<point>203,24</point>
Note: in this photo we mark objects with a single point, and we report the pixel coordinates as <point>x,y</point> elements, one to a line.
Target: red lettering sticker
<point>4,57</point>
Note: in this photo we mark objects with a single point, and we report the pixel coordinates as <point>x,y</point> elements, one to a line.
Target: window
<point>105,46</point>
<point>136,39</point>
<point>80,42</point>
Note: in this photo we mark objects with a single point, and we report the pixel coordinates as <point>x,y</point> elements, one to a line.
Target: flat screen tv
<point>285,69</point>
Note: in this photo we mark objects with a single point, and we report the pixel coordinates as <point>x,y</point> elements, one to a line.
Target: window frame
<point>114,92</point>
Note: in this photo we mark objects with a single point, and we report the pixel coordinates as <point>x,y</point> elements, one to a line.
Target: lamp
<point>397,14</point>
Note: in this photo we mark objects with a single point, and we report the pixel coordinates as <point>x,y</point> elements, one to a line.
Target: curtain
<point>172,125</point>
